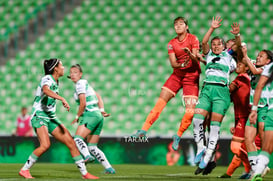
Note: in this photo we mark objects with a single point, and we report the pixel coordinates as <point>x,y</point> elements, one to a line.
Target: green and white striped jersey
<point>219,67</point>
<point>254,82</point>
<point>45,106</point>
<point>82,87</point>
<point>268,72</point>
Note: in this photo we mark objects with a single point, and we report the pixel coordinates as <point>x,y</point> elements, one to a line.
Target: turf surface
<point>52,172</point>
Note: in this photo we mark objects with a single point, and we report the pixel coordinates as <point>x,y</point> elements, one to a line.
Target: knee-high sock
<point>262,162</point>
<point>234,164</point>
<point>99,155</point>
<point>214,134</point>
<point>154,114</point>
<point>30,162</point>
<point>252,157</point>
<point>81,145</point>
<point>185,122</point>
<point>80,164</point>
<point>198,131</point>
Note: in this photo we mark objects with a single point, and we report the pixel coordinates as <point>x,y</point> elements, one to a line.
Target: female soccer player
<point>183,53</point>
<point>266,80</point>
<point>44,119</point>
<point>90,117</point>
<point>240,91</point>
<point>251,130</point>
<point>214,97</point>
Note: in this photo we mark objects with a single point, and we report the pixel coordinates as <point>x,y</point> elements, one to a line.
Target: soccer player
<point>240,91</point>
<point>214,97</point>
<point>266,80</point>
<point>251,130</point>
<point>255,70</point>
<point>44,119</point>
<point>90,117</point>
<point>184,57</point>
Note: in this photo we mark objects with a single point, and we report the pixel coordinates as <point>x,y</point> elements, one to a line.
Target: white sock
<point>99,155</point>
<point>214,135</point>
<point>80,164</point>
<point>252,158</point>
<point>262,162</point>
<point>208,155</point>
<point>81,145</point>
<point>30,162</point>
<point>198,132</point>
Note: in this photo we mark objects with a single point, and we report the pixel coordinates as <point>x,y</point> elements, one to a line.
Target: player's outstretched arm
<point>252,68</point>
<point>216,23</point>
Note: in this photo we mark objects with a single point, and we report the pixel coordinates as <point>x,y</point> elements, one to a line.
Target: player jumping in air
<point>184,57</point>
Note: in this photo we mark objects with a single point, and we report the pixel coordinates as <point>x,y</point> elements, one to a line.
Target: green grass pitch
<point>130,172</point>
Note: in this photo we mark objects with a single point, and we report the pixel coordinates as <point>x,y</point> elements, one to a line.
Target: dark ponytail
<point>49,65</point>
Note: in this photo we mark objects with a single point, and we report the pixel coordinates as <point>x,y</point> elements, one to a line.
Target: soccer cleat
<point>245,176</point>
<point>198,171</point>
<point>89,176</point>
<point>224,176</point>
<point>109,171</point>
<point>203,164</point>
<point>209,168</point>
<point>139,134</point>
<point>257,177</point>
<point>199,156</point>
<point>25,174</point>
<point>176,140</point>
<point>89,159</point>
<point>265,171</point>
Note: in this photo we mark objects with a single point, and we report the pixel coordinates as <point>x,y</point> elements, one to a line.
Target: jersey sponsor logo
<point>216,59</point>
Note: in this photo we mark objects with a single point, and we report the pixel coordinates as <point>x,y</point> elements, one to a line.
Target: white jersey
<point>219,67</point>
<point>82,87</point>
<point>268,72</point>
<point>45,106</point>
<point>254,79</point>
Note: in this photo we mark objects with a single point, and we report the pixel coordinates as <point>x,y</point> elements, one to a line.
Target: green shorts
<point>50,123</point>
<point>214,98</point>
<point>261,116</point>
<point>268,124</point>
<point>93,121</point>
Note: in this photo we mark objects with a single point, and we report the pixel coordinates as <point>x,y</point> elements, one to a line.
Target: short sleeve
<point>46,80</point>
<point>170,48</point>
<point>195,42</point>
<point>233,65</point>
<point>268,69</point>
<point>80,87</point>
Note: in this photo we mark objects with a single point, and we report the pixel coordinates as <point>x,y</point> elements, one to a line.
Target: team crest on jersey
<point>170,47</point>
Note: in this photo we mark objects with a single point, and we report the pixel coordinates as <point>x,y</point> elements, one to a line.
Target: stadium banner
<point>154,151</point>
